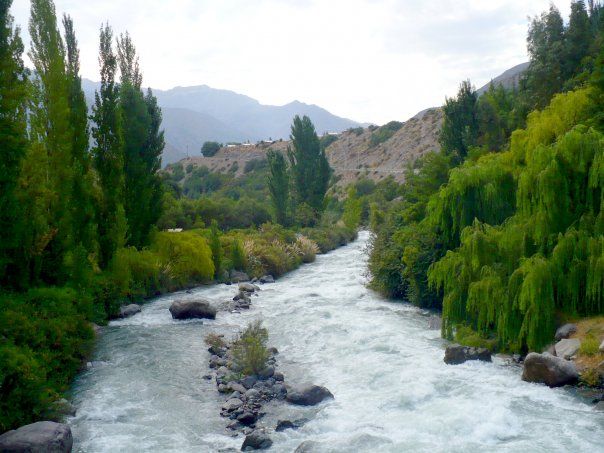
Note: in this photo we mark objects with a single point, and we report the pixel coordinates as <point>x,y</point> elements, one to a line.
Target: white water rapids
<point>393,392</point>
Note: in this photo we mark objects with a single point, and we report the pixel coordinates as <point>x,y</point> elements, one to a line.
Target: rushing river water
<point>393,392</point>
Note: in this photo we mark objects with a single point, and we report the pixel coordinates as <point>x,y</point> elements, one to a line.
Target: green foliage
<point>238,259</point>
<point>278,186</point>
<point>12,145</point>
<point>327,140</point>
<point>46,338</point>
<point>384,133</point>
<point>466,336</point>
<point>353,210</point>
<point>255,165</point>
<point>250,353</point>
<point>590,346</point>
<point>309,167</point>
<point>460,125</point>
<point>216,248</point>
<point>209,149</point>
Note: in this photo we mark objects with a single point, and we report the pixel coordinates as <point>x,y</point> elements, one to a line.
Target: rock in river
<point>549,370</point>
<point>456,354</point>
<point>307,395</point>
<point>43,437</point>
<point>237,276</point>
<point>567,348</point>
<point>256,440</point>
<point>192,309</point>
<point>128,310</point>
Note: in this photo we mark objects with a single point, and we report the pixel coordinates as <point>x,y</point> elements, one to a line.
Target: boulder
<point>237,276</point>
<point>602,346</point>
<point>456,354</point>
<point>308,446</point>
<point>42,437</point>
<point>128,310</point>
<point>434,322</point>
<point>192,309</point>
<point>247,418</point>
<point>256,440</point>
<point>549,370</point>
<point>278,376</point>
<point>267,372</point>
<point>252,394</point>
<point>61,408</point>
<point>307,395</point>
<point>282,425</point>
<point>236,387</point>
<point>565,331</point>
<point>267,279</point>
<point>248,288</point>
<point>249,381</point>
<point>232,404</point>
<point>567,348</point>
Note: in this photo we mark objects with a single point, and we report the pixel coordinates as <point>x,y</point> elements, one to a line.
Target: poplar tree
<point>143,145</point>
<point>108,152</point>
<point>578,38</point>
<point>13,143</point>
<point>309,166</point>
<point>460,125</point>
<point>53,131</point>
<point>278,185</point>
<point>83,213</point>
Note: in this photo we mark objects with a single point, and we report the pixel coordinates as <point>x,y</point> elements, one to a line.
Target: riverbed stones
<point>61,408</point>
<point>192,309</point>
<point>549,370</point>
<point>248,287</point>
<point>237,387</point>
<point>237,276</point>
<point>267,372</point>
<point>307,395</point>
<point>129,310</point>
<point>565,331</point>
<point>267,279</point>
<point>308,446</point>
<point>39,437</point>
<point>567,348</point>
<point>256,440</point>
<point>456,354</point>
<point>232,404</point>
<point>249,381</point>
<point>247,418</point>
<point>278,376</point>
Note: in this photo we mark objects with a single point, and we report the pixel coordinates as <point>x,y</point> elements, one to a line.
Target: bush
<point>185,258</point>
<point>135,273</point>
<point>590,346</point>
<point>384,133</point>
<point>209,149</point>
<point>255,165</point>
<point>467,337</point>
<point>215,341</point>
<point>307,249</point>
<point>249,350</point>
<point>49,337</point>
<point>327,140</point>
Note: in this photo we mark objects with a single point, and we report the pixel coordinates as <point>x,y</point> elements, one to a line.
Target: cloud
<point>369,60</point>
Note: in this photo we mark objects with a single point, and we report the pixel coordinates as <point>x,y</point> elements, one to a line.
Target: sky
<point>367,60</point>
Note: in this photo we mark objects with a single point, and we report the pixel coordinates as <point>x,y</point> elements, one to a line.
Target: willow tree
<point>13,143</point>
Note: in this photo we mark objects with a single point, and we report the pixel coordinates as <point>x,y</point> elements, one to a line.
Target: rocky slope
<point>353,153</point>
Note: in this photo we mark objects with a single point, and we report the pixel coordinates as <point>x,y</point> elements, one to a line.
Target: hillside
<point>350,155</point>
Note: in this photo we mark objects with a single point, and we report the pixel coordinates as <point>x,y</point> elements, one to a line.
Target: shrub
<point>209,149</point>
<point>185,258</point>
<point>467,337</point>
<point>255,165</point>
<point>238,260</point>
<point>215,341</point>
<point>249,350</point>
<point>384,133</point>
<point>135,273</point>
<point>589,346</point>
<point>307,248</point>
<point>590,377</point>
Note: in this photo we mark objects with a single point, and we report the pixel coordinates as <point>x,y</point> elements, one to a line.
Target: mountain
<point>193,115</point>
<point>508,79</point>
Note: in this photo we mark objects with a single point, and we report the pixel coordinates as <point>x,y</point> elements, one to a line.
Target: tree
<point>578,38</point>
<point>108,153</point>
<point>309,166</point>
<point>13,142</point>
<point>143,145</point>
<point>460,124</point>
<point>546,48</point>
<point>210,149</point>
<point>83,212</point>
<point>52,130</point>
<point>216,248</point>
<point>278,185</point>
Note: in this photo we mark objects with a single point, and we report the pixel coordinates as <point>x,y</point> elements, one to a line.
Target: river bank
<point>384,366</point>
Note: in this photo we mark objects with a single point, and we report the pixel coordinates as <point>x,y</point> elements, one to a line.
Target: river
<point>393,392</point>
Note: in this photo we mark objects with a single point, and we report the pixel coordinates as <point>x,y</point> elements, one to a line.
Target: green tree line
<point>502,228</point>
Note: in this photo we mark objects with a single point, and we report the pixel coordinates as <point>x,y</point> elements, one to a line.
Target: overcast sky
<point>368,60</point>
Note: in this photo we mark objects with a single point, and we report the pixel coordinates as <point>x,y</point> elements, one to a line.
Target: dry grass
<point>588,330</point>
